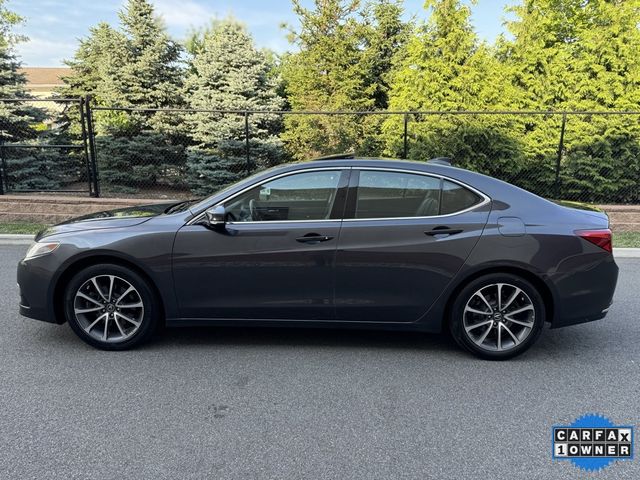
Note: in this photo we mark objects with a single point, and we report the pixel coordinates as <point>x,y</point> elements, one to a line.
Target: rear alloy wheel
<point>110,307</point>
<point>498,316</point>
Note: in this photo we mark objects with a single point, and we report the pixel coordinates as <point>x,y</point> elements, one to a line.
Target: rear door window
<point>383,194</point>
<point>456,198</point>
<point>388,194</point>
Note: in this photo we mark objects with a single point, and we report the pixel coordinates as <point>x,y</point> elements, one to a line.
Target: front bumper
<point>34,280</point>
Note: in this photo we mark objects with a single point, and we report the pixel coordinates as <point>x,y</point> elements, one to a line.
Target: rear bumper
<point>567,322</point>
<point>585,294</point>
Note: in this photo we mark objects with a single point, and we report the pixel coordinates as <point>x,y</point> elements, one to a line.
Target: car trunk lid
<point>589,214</point>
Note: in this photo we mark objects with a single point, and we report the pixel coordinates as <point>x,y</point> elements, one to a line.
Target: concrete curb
<point>626,252</point>
<point>14,239</point>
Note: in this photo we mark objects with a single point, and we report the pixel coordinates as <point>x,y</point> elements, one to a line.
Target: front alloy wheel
<point>110,307</point>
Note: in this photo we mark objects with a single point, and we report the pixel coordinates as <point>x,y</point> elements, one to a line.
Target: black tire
<point>148,315</point>
<point>457,316</point>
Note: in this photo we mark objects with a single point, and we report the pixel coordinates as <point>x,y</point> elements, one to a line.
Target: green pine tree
<point>539,54</point>
<point>142,148</point>
<point>229,73</point>
<point>97,55</point>
<point>138,66</point>
<point>27,168</point>
<point>576,55</point>
<point>446,68</point>
<point>326,74</point>
<point>194,43</point>
<point>601,161</point>
<point>151,74</point>
<point>385,34</point>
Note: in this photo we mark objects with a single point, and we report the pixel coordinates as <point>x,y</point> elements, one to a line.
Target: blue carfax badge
<point>592,442</point>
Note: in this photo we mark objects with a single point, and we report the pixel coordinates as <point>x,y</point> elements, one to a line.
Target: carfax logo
<point>592,442</point>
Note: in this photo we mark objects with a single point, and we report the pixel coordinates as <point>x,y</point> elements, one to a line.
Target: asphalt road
<point>287,404</point>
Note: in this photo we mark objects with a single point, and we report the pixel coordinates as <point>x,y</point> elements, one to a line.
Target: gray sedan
<point>339,242</point>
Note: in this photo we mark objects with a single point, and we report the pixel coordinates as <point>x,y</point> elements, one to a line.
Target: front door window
<point>302,196</point>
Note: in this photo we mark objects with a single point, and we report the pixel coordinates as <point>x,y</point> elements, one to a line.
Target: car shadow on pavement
<point>302,337</point>
<point>568,344</point>
<point>554,345</point>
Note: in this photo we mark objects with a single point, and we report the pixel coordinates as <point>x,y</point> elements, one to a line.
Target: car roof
<point>437,168</point>
<point>356,162</point>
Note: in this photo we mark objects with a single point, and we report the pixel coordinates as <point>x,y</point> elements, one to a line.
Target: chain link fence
<point>67,145</point>
<point>45,146</point>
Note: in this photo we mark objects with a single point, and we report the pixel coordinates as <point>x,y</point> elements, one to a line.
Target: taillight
<point>601,238</point>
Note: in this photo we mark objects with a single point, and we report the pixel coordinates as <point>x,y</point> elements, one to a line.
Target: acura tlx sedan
<point>337,242</point>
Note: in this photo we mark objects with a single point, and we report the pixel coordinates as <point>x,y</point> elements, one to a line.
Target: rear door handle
<point>442,231</point>
<point>313,238</point>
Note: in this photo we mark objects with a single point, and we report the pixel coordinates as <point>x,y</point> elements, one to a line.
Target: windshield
<point>229,187</point>
<point>181,206</point>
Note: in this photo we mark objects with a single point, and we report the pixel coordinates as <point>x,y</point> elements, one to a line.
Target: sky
<point>54,26</point>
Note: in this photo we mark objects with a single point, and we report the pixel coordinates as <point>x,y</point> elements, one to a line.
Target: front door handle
<point>442,231</point>
<point>313,238</point>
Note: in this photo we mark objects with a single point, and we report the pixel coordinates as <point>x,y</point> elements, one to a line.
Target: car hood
<point>118,218</point>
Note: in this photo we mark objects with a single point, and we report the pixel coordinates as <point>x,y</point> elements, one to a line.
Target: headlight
<point>39,249</point>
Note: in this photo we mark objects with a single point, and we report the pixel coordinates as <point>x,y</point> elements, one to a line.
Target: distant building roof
<point>44,78</point>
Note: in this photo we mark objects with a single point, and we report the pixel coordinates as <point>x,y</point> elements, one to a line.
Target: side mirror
<point>215,218</point>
